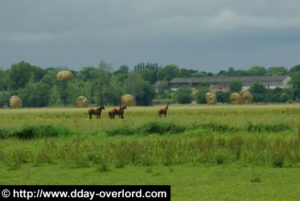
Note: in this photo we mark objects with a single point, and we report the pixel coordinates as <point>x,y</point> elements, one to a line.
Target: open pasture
<point>204,152</point>
<point>78,118</point>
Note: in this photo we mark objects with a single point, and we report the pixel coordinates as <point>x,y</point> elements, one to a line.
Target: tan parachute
<point>64,75</point>
<point>128,99</point>
<point>246,96</point>
<point>235,98</point>
<point>15,102</point>
<point>82,101</point>
<point>211,98</point>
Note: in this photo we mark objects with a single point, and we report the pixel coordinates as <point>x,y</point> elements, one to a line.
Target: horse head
<point>101,108</point>
<point>123,107</point>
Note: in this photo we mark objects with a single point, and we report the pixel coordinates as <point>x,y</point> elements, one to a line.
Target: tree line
<point>38,87</point>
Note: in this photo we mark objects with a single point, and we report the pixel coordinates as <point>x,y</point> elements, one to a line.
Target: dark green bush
<point>217,127</point>
<point>3,133</point>
<point>161,128</point>
<point>38,131</point>
<point>121,130</point>
<point>267,127</point>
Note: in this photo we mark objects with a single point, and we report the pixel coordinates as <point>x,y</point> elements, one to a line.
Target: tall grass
<point>276,152</point>
<point>246,135</point>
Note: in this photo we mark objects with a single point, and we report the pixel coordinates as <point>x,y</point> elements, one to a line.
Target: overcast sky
<point>209,35</point>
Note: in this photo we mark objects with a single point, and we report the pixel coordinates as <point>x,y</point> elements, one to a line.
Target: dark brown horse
<point>96,112</point>
<point>163,111</point>
<point>112,113</point>
<point>120,111</point>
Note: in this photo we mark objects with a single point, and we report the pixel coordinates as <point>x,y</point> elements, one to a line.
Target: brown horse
<point>112,113</point>
<point>120,111</point>
<point>163,111</point>
<point>96,112</point>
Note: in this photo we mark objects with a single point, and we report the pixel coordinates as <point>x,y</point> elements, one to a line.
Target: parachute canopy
<point>235,98</point>
<point>211,98</point>
<point>82,101</point>
<point>246,96</point>
<point>128,99</point>
<point>15,102</point>
<point>64,75</point>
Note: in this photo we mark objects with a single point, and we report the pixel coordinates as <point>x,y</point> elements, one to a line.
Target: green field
<point>203,152</point>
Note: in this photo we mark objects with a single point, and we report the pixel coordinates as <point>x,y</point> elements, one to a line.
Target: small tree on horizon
<point>235,86</point>
<point>184,95</point>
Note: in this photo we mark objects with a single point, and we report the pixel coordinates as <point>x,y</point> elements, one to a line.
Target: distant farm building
<point>222,83</point>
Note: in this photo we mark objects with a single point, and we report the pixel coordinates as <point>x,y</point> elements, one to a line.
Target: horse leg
<point>90,115</point>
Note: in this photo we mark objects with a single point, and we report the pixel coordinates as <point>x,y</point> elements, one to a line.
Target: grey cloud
<point>207,35</point>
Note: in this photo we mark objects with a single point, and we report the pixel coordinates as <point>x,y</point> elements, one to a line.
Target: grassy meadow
<point>204,152</point>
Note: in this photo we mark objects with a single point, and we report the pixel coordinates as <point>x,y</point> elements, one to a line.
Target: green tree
<point>295,82</point>
<point>101,83</point>
<point>183,95</point>
<point>89,73</point>
<point>123,70</point>
<point>199,74</point>
<point>163,88</point>
<point>64,93</point>
<point>258,90</point>
<point>231,71</point>
<point>242,73</point>
<point>285,96</point>
<point>294,69</point>
<point>257,70</point>
<point>3,80</point>
<point>235,86</point>
<point>222,97</point>
<point>273,95</point>
<point>35,95</point>
<point>185,73</point>
<point>139,88</point>
<point>148,71</point>
<point>49,79</point>
<point>200,94</point>
<point>20,74</point>
<point>4,98</point>
<point>276,71</point>
<point>104,66</point>
<point>168,72</point>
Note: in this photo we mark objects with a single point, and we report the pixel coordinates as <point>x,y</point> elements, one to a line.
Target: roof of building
<point>225,79</point>
<point>159,83</point>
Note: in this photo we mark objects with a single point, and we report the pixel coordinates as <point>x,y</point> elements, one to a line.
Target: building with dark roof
<point>221,83</point>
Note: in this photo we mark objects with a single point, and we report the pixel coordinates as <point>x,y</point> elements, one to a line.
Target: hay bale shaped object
<point>64,75</point>
<point>15,102</point>
<point>246,96</point>
<point>82,101</point>
<point>235,98</point>
<point>211,98</point>
<point>128,99</point>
